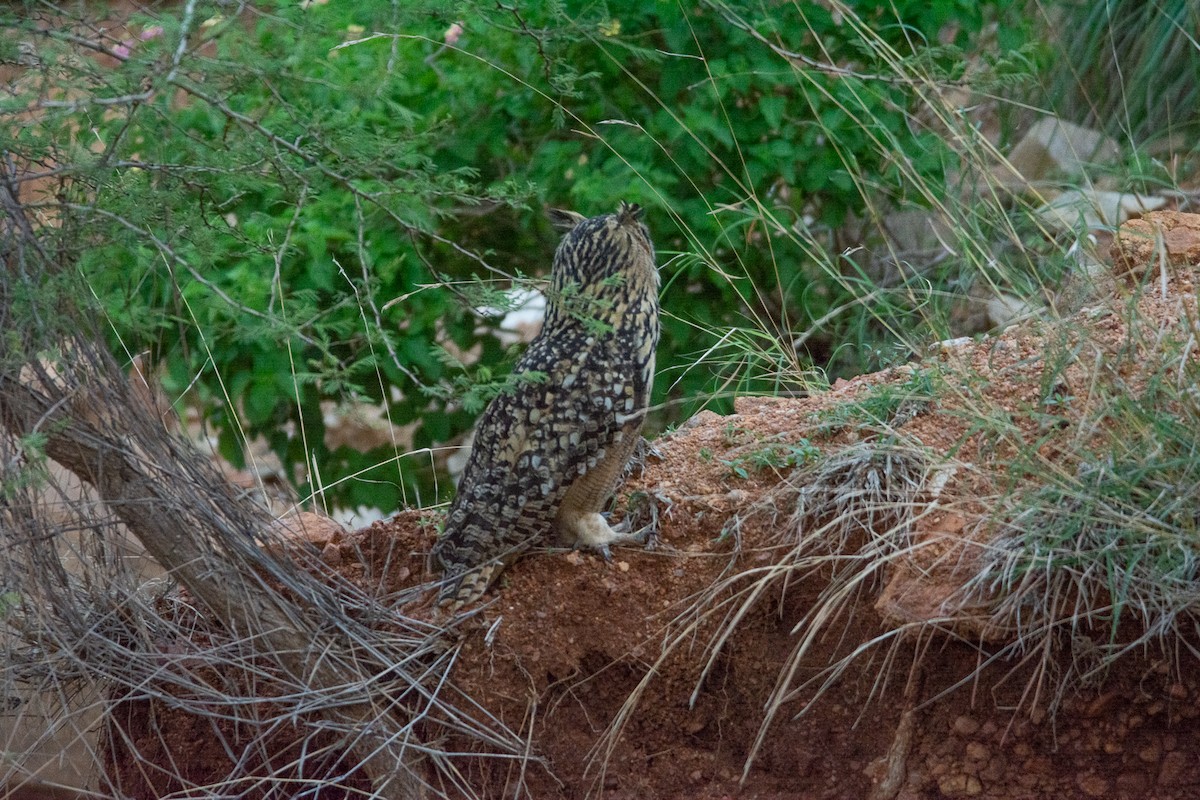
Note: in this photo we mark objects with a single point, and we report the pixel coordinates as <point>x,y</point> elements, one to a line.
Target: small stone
<point>696,776</point>
<point>306,526</point>
<point>1174,768</point>
<point>965,726</point>
<point>1100,705</point>
<point>1132,784</point>
<point>623,566</point>
<point>331,554</point>
<point>953,785</point>
<point>1112,747</point>
<point>977,752</point>
<point>994,770</point>
<point>1151,753</point>
<point>1092,785</point>
<point>1178,691</point>
<point>575,557</point>
<point>1028,780</point>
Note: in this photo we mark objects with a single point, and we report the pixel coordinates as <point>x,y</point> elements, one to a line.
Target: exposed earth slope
<point>829,612</point>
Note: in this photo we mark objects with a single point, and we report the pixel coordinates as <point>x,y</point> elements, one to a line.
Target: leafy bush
<point>286,222</point>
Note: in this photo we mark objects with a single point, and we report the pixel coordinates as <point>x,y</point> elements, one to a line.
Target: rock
<point>1092,785</point>
<point>306,526</point>
<point>960,785</point>
<point>977,752</point>
<point>1005,309</point>
<point>1135,250</point>
<point>332,555</point>
<point>994,771</point>
<point>919,231</point>
<point>1174,769</point>
<point>1052,145</point>
<point>1091,209</point>
<point>965,726</point>
<point>1132,784</point>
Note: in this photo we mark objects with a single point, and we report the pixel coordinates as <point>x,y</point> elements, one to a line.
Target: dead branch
<point>184,514</point>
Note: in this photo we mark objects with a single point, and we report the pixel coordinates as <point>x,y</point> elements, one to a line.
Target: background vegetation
<point>296,203</point>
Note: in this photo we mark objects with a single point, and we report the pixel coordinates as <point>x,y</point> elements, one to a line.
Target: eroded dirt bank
<point>621,679</point>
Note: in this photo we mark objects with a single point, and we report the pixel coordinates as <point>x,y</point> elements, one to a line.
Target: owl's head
<point>599,249</point>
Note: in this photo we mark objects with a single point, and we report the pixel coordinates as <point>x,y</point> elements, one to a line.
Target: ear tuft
<point>562,219</point>
<point>628,212</point>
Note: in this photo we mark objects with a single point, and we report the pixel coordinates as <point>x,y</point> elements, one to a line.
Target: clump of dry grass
<point>842,518</point>
<point>1093,549</point>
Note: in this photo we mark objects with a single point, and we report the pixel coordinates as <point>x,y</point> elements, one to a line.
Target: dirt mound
<point>738,658</point>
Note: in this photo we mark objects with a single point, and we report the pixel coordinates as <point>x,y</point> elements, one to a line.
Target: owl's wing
<point>531,444</point>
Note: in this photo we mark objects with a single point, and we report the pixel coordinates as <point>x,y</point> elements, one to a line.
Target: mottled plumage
<point>549,453</point>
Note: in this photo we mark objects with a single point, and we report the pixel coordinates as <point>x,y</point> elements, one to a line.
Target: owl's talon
<point>622,528</point>
<point>646,536</point>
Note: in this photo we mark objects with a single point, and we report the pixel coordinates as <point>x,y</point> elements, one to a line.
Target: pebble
<point>1151,753</point>
<point>1132,784</point>
<point>977,752</point>
<point>1092,785</point>
<point>960,785</point>
<point>1174,768</point>
<point>994,771</point>
<point>965,726</point>
<point>331,554</point>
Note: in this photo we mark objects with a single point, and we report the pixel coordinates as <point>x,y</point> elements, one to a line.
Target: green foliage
<point>1129,67</point>
<point>474,389</point>
<point>881,407</point>
<point>775,456</point>
<point>8,600</point>
<point>284,208</point>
